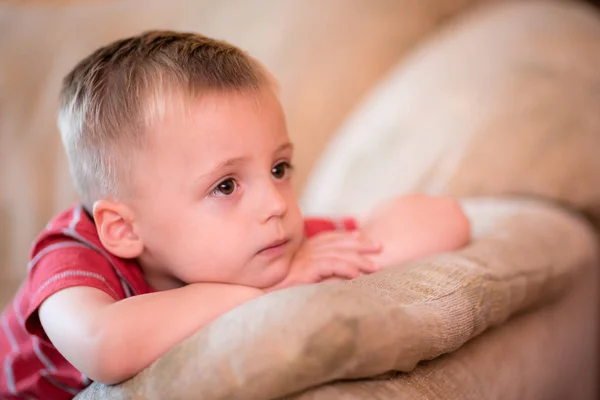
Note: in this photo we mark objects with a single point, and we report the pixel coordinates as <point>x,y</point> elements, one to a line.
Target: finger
<point>352,254</point>
<point>335,267</point>
<point>346,241</point>
<point>359,261</point>
<point>367,245</point>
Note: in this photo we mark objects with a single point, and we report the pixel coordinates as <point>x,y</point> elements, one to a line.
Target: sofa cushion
<point>550,354</point>
<point>502,101</point>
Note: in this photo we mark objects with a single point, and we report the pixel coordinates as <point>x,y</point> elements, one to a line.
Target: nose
<point>273,203</point>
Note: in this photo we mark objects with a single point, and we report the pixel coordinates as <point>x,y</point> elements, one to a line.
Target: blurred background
<point>329,57</point>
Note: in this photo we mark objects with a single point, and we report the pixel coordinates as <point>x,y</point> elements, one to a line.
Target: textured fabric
<point>390,320</point>
<point>533,357</point>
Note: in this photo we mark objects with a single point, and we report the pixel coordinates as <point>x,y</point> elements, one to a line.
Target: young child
<point>178,147</point>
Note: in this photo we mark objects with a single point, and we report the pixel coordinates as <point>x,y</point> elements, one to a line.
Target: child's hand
<point>414,226</point>
<point>331,255</point>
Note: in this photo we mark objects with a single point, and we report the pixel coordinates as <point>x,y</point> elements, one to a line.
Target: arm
<point>112,341</point>
<point>415,226</point>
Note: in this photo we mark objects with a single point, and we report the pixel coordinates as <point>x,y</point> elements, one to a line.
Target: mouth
<point>274,247</point>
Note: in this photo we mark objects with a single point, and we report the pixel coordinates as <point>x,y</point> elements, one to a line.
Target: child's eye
<point>225,188</point>
<point>281,170</point>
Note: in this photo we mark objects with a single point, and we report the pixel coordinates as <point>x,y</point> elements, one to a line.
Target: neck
<point>158,279</point>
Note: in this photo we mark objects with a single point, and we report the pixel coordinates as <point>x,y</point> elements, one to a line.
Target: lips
<point>274,246</point>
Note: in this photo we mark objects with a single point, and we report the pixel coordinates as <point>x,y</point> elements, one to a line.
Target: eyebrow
<point>285,146</point>
<point>239,160</point>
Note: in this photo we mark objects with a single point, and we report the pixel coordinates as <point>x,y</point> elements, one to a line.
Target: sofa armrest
<point>523,253</point>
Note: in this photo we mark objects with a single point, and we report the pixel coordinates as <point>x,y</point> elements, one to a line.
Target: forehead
<point>218,121</point>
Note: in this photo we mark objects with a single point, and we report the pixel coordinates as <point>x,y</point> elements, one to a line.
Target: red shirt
<point>69,253</point>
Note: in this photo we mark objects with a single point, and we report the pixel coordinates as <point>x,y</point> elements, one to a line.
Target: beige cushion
<point>504,101</point>
<point>550,354</point>
<point>524,254</point>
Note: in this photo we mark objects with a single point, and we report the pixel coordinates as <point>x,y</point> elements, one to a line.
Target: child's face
<point>213,193</point>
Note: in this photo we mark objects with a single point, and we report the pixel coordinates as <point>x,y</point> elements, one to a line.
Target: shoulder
<point>68,253</point>
<point>72,225</point>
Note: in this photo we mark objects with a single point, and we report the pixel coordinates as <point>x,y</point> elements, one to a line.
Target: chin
<point>273,274</point>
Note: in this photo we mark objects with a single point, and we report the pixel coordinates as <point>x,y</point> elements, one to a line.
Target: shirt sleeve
<point>313,226</point>
<point>62,265</point>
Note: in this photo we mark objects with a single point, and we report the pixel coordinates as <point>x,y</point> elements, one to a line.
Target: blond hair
<point>111,97</point>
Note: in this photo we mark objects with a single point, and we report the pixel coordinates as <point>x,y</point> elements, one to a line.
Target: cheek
<point>209,239</point>
<point>295,217</point>
<point>292,202</point>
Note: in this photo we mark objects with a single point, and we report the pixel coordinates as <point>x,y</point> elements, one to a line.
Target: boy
<point>178,147</point>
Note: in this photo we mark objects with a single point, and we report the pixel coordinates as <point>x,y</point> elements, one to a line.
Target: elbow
<point>110,363</point>
<point>109,374</point>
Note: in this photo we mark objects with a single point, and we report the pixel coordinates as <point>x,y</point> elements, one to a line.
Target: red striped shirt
<point>69,253</point>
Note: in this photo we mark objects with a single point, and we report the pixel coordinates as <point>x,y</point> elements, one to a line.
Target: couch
<point>494,102</point>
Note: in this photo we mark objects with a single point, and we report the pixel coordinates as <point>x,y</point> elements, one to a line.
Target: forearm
<point>138,330</point>
<point>415,226</point>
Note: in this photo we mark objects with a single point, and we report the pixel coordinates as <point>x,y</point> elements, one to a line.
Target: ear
<point>114,223</point>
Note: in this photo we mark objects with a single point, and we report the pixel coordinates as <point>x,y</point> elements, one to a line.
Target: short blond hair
<point>110,97</point>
